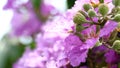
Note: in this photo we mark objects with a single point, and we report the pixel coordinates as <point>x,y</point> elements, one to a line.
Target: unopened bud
<point>117,18</point>
<point>87,7</point>
<point>83,13</point>
<point>79,18</point>
<point>116,2</point>
<point>79,28</point>
<point>103,9</point>
<point>91,13</point>
<point>116,45</point>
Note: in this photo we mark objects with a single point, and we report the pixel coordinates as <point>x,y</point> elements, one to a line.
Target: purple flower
<point>73,40</point>
<point>30,59</point>
<point>100,49</point>
<point>25,20</point>
<point>108,28</point>
<point>111,57</point>
<point>49,53</point>
<point>46,8</point>
<point>14,4</point>
<point>77,55</point>
<point>25,23</point>
<point>89,32</point>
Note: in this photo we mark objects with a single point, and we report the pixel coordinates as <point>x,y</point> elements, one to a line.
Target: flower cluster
<point>85,36</point>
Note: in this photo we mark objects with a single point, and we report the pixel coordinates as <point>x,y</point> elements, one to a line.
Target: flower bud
<point>91,13</point>
<point>116,45</point>
<point>79,28</point>
<point>116,2</point>
<point>79,18</point>
<point>103,9</point>
<point>117,18</point>
<point>87,7</point>
<point>83,13</point>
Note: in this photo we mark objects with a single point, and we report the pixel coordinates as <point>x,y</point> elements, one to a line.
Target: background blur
<point>10,51</point>
<point>6,15</point>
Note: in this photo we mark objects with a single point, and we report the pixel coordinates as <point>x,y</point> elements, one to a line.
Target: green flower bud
<point>116,45</point>
<point>103,9</point>
<point>83,13</point>
<point>79,18</point>
<point>91,13</point>
<point>116,2</point>
<point>79,28</point>
<point>87,7</point>
<point>117,18</point>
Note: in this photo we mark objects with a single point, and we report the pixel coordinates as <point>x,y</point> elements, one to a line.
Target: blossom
<point>25,23</point>
<point>61,44</point>
<point>14,4</point>
<point>77,55</point>
<point>30,59</point>
<point>25,20</point>
<point>109,57</point>
<point>45,55</point>
<point>108,28</point>
<point>72,40</point>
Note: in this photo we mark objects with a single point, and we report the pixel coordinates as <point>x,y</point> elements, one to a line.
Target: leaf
<point>70,3</point>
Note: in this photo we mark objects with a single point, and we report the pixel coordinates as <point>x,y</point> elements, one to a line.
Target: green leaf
<point>9,53</point>
<point>36,4</point>
<point>70,3</point>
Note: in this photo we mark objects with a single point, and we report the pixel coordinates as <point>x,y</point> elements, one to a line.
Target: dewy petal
<point>77,55</point>
<point>108,28</point>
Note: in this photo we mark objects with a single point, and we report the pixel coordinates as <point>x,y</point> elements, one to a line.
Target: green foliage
<point>70,3</point>
<point>36,4</point>
<point>9,52</point>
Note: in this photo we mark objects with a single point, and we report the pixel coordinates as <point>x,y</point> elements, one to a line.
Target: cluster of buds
<point>101,12</point>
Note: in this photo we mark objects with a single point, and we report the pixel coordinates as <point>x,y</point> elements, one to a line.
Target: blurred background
<point>6,15</point>
<point>13,47</point>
